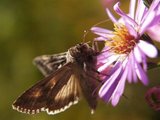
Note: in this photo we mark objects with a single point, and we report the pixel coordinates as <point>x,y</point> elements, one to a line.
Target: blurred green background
<point>29,28</point>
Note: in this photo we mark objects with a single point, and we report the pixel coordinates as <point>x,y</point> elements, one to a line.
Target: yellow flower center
<point>122,42</point>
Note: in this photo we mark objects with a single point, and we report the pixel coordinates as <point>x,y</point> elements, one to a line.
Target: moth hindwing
<point>68,75</point>
<point>50,63</point>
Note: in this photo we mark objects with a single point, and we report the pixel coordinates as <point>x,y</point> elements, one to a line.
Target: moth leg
<point>95,46</point>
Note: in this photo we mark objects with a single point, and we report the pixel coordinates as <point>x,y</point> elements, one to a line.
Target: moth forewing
<point>43,95</point>
<point>68,75</point>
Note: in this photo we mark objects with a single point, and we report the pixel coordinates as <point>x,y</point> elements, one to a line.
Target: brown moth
<point>68,75</point>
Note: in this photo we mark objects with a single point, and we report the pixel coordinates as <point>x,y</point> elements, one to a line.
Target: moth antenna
<point>87,31</point>
<point>94,44</point>
<point>85,34</point>
<point>101,22</point>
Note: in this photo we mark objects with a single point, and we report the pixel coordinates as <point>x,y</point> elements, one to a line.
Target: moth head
<point>82,53</point>
<point>82,49</point>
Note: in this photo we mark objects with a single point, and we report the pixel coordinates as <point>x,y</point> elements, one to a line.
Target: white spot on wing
<point>25,110</point>
<point>62,109</point>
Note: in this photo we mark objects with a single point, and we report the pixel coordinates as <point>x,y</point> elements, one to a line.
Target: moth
<point>68,77</point>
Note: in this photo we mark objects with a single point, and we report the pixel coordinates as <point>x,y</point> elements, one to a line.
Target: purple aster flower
<point>125,49</point>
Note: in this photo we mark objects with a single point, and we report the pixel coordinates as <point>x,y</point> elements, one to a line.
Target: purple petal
<point>104,54</point>
<point>154,4</point>
<point>148,49</point>
<point>103,59</point>
<point>132,8</point>
<point>137,54</point>
<point>110,15</point>
<point>109,86</point>
<point>129,68</point>
<point>108,62</point>
<point>144,59</point>
<point>100,39</point>
<point>116,66</point>
<point>146,24</point>
<point>131,30</point>
<point>152,32</point>
<point>152,16</point>
<point>125,16</point>
<point>134,62</point>
<point>156,10</point>
<point>119,89</point>
<point>132,67</point>
<point>101,30</point>
<point>141,74</point>
<point>140,11</point>
<point>144,63</point>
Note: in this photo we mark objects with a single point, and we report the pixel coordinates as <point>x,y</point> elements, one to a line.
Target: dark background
<point>29,28</point>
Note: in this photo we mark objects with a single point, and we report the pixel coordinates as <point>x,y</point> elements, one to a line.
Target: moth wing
<point>54,93</point>
<point>50,63</point>
<point>89,87</point>
<point>68,95</point>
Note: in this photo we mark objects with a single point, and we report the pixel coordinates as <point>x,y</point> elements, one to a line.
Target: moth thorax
<point>82,49</point>
<point>69,58</point>
<point>81,52</point>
